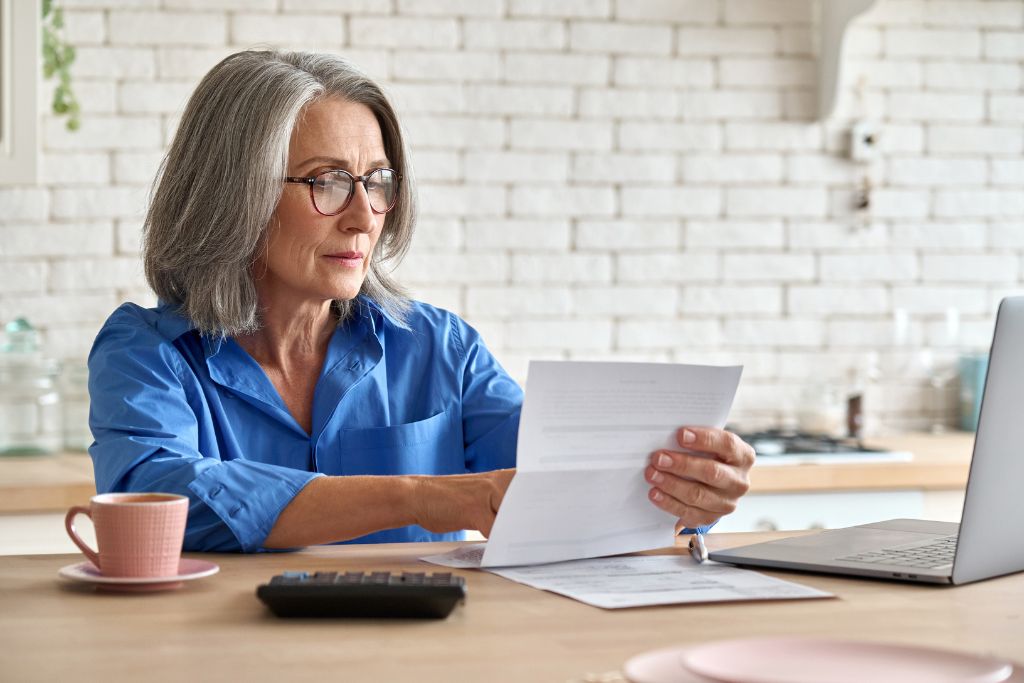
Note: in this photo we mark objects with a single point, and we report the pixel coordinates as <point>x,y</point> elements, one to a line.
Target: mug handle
<point>69,524</point>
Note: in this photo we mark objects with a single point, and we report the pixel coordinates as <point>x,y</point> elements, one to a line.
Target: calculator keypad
<point>363,594</point>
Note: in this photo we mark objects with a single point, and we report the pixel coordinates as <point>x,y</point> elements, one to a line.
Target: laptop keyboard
<point>929,556</point>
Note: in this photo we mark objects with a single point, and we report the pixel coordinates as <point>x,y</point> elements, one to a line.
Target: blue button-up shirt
<point>175,411</point>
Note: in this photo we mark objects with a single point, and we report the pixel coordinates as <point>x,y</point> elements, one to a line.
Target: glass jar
<point>30,416</point>
<point>74,401</point>
<point>822,410</point>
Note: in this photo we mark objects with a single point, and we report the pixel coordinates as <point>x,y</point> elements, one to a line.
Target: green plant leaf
<point>58,55</point>
<point>60,105</point>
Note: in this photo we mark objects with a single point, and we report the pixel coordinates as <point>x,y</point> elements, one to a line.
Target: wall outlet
<point>864,141</point>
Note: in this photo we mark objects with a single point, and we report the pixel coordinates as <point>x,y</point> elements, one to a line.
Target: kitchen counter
<point>941,462</point>
<point>834,495</point>
<point>55,482</point>
<point>45,483</point>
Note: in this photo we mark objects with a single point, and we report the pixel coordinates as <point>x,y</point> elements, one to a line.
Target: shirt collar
<point>173,323</point>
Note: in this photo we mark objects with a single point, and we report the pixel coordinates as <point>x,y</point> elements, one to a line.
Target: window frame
<point>19,87</point>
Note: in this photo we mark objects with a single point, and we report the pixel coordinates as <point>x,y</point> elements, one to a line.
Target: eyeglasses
<point>332,191</point>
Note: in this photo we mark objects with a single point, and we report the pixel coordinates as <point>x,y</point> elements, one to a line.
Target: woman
<point>285,383</point>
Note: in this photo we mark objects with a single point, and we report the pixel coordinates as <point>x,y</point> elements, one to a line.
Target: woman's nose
<point>359,215</point>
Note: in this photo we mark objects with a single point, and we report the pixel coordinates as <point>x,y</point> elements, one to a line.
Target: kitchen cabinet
<point>826,496</point>
<point>34,493</point>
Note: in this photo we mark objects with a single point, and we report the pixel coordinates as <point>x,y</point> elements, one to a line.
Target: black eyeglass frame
<point>311,182</point>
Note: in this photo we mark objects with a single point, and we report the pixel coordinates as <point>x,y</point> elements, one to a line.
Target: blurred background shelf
<point>827,496</point>
<point>941,461</point>
<point>45,483</point>
<point>35,492</point>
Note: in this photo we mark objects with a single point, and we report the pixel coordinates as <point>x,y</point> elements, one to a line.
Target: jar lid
<point>21,337</point>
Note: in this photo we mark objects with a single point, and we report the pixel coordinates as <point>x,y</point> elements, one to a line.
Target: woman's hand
<point>460,501</point>
<point>700,489</point>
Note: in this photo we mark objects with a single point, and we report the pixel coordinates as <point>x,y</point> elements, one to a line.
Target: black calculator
<point>409,595</point>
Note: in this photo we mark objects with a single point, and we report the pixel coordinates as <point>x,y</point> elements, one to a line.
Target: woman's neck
<point>291,334</point>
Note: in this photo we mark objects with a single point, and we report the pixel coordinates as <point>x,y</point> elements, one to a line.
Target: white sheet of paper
<point>464,557</point>
<point>615,582</point>
<point>638,581</point>
<point>585,435</point>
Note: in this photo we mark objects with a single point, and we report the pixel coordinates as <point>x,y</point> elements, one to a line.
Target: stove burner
<point>779,442</point>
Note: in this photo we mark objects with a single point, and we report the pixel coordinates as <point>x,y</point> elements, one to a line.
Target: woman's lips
<point>347,259</point>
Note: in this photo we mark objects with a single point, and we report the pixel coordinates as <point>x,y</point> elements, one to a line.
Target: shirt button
<point>214,493</point>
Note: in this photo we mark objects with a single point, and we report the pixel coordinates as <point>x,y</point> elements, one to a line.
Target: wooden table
<point>215,629</point>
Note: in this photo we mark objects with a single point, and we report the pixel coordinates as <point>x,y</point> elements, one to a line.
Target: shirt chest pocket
<point>430,446</point>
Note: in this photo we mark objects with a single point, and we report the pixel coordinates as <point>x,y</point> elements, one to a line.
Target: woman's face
<point>309,256</point>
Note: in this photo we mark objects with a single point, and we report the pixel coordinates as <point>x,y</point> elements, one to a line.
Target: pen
<point>697,547</point>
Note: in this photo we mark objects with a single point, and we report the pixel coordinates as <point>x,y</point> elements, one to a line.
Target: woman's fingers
<point>727,446</point>
<point>705,483</point>
<point>672,465</point>
<point>689,516</point>
<point>695,494</point>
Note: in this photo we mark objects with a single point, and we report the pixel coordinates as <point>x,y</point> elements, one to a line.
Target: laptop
<point>988,541</point>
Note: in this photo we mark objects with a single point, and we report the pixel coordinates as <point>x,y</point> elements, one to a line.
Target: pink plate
<point>660,666</point>
<point>817,660</point>
<point>188,570</point>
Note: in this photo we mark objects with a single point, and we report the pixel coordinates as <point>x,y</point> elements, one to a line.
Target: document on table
<point>586,433</point>
<point>639,581</point>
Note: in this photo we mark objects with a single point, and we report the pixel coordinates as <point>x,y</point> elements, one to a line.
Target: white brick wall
<point>167,28</point>
<point>311,30</point>
<point>634,179</point>
<point>660,267</point>
<point>536,234</point>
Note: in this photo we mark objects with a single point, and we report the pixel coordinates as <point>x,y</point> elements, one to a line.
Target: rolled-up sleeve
<point>145,415</point>
<point>491,404</point>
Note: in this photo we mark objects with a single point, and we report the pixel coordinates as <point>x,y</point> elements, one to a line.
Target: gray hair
<point>222,178</point>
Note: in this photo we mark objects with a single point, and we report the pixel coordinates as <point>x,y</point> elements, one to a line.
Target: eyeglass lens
<point>333,190</point>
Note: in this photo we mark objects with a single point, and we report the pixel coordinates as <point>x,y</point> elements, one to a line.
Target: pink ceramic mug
<point>138,534</point>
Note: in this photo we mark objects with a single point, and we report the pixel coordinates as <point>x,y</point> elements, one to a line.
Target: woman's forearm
<point>333,509</point>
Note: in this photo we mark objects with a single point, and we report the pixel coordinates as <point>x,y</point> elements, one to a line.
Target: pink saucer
<point>661,666</point>
<point>188,570</point>
<point>817,660</point>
